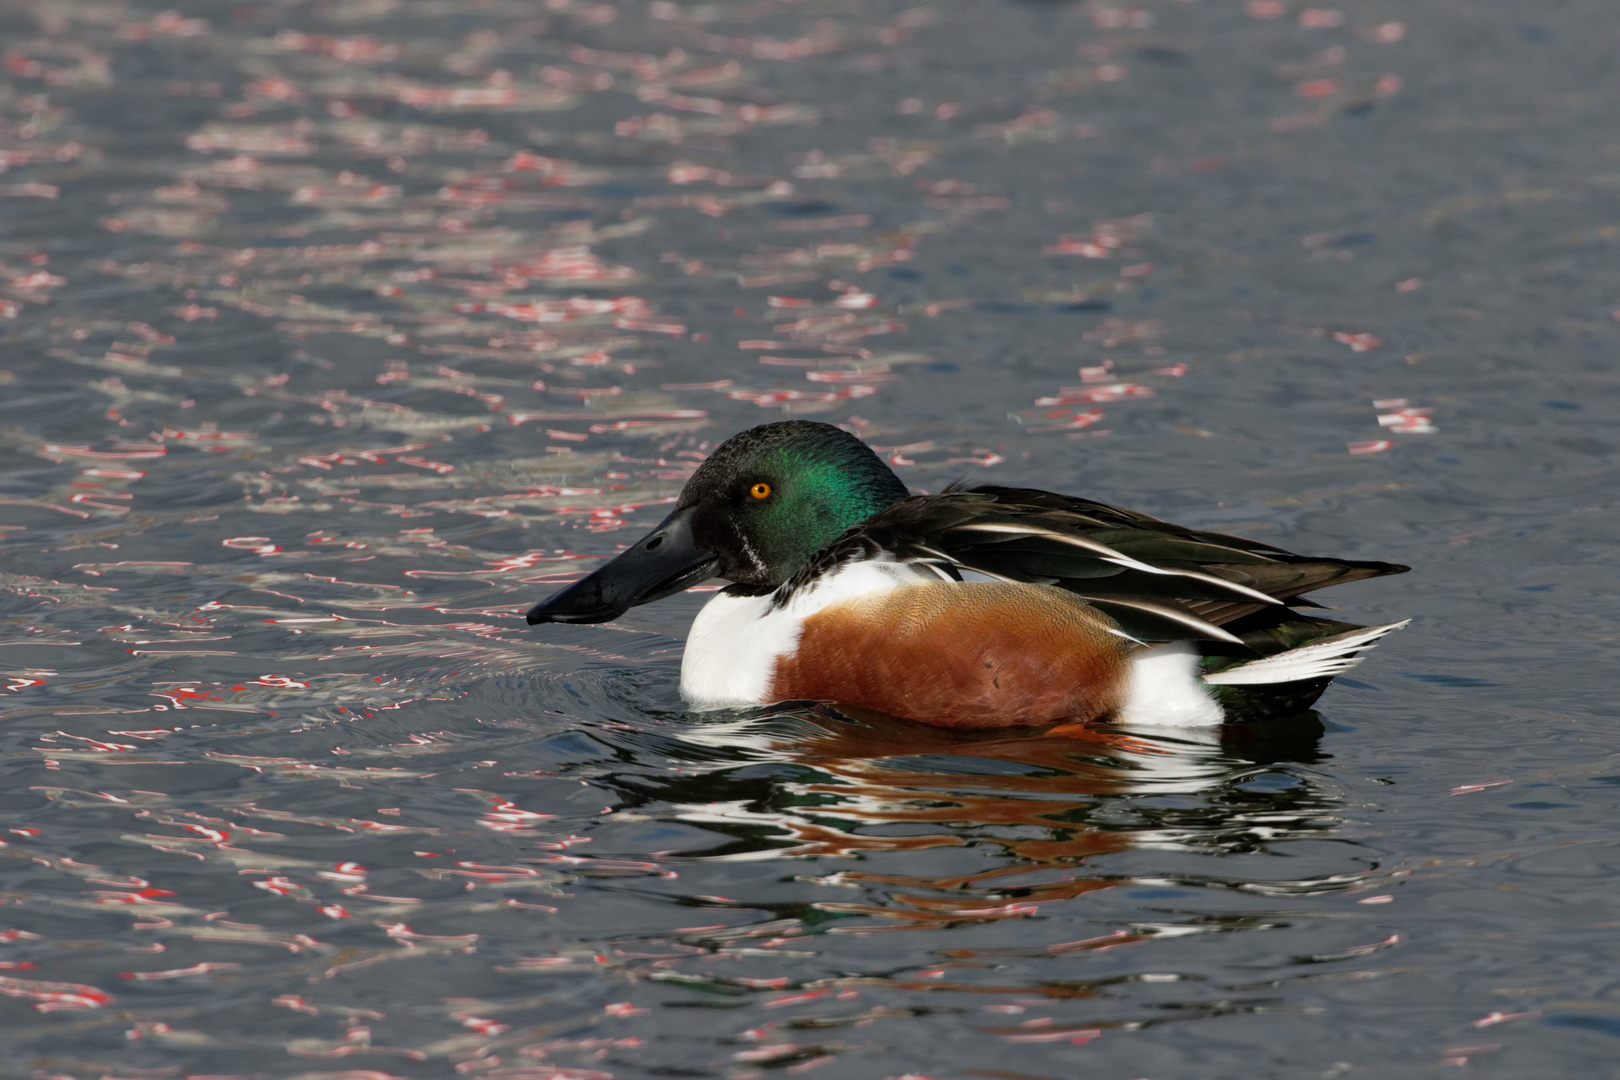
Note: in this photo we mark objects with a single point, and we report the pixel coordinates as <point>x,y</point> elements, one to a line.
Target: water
<point>337,335</point>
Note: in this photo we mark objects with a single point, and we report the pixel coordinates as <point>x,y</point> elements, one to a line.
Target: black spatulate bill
<point>662,563</point>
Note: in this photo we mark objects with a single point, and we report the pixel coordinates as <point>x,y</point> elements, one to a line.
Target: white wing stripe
<point>1101,550</point>
<point>1108,554</point>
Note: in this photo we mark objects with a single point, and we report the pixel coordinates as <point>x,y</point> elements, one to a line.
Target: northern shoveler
<point>979,607</point>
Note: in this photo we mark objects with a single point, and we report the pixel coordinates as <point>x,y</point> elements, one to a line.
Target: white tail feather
<point>1318,660</point>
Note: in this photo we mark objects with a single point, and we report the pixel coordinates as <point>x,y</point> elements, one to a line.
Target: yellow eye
<point>760,491</point>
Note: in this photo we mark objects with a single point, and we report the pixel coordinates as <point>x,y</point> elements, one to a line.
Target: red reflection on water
<point>54,996</point>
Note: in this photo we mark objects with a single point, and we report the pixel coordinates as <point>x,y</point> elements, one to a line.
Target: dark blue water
<point>336,335</point>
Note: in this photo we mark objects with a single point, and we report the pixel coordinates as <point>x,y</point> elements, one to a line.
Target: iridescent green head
<point>769,498</point>
<point>753,513</point>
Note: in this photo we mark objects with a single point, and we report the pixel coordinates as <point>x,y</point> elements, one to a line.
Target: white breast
<point>732,649</point>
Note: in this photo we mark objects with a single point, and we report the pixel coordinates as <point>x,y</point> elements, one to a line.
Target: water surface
<point>336,335</point>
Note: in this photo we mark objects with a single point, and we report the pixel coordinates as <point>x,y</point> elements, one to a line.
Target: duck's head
<point>753,513</point>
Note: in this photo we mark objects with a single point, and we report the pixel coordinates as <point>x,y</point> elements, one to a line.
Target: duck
<point>980,607</point>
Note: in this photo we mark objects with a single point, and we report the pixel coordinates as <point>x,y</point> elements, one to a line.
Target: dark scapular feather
<point>1158,581</point>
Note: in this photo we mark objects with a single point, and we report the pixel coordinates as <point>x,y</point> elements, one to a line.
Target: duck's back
<point>1157,580</point>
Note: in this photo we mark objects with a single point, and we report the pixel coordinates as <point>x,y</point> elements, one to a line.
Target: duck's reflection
<point>818,784</point>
